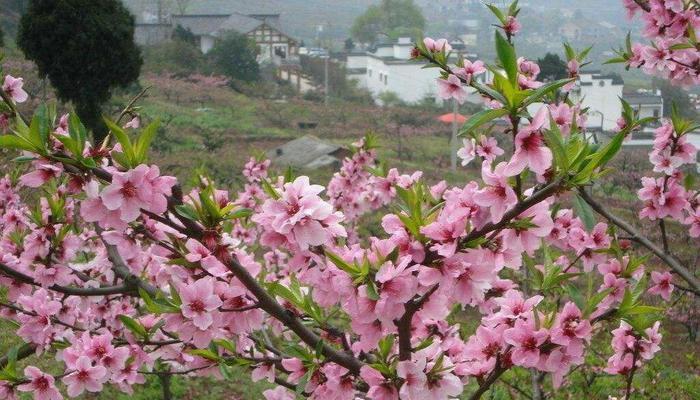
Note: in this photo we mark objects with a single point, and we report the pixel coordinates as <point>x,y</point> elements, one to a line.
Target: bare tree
<point>182,6</point>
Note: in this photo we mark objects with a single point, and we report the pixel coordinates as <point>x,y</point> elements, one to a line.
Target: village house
<point>261,24</point>
<point>308,152</point>
<point>646,104</point>
<point>389,68</point>
<point>601,94</point>
<point>274,45</point>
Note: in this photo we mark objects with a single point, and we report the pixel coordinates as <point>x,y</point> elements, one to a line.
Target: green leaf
<point>553,138</point>
<point>204,353</point>
<point>269,189</point>
<point>490,92</point>
<point>341,264</point>
<point>123,139</point>
<point>228,345</point>
<point>481,118</point>
<point>144,141</point>
<point>497,12</point>
<point>187,211</point>
<point>133,325</point>
<point>594,300</point>
<point>602,156</point>
<point>240,213</point>
<point>585,212</point>
<point>372,293</point>
<point>507,57</point>
<point>39,128</point>
<point>639,310</point>
<point>544,90</point>
<point>16,143</point>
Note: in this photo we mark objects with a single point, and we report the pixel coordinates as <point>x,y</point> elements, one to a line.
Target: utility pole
<point>325,77</point>
<point>160,11</point>
<point>453,140</point>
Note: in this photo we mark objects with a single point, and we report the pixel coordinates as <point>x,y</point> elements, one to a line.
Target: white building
<point>646,104</point>
<point>389,68</point>
<point>601,95</point>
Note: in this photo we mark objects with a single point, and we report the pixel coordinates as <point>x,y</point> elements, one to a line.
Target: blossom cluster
<point>666,196</point>
<point>670,26</point>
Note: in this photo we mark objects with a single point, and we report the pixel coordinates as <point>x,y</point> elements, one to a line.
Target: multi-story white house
<point>389,68</point>
<point>601,94</point>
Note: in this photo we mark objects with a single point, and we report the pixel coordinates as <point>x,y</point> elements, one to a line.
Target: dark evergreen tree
<point>235,56</point>
<point>184,35</point>
<point>552,67</point>
<point>86,48</point>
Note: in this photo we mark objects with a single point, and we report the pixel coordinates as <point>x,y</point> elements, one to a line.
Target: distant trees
<point>391,18</point>
<point>184,35</point>
<point>349,44</point>
<point>552,67</point>
<point>235,56</point>
<point>674,95</point>
<point>86,48</point>
<point>176,56</point>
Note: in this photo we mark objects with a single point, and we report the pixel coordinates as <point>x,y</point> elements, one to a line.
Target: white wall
<point>206,43</point>
<point>408,80</point>
<point>647,110</point>
<point>403,51</point>
<point>601,96</point>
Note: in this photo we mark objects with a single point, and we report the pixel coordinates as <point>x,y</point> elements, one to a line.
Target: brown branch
<point>490,380</point>
<point>630,376</point>
<point>664,236</point>
<point>669,260</point>
<point>403,325</point>
<point>69,290</point>
<point>271,306</point>
<point>644,5</point>
<point>522,206</point>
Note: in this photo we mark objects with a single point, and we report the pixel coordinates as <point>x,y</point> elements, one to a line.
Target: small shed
<point>308,152</point>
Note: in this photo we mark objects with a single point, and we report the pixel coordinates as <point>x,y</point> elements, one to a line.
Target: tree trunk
<point>165,386</point>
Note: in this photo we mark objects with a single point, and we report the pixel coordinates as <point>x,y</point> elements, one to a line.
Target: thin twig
<point>676,266</point>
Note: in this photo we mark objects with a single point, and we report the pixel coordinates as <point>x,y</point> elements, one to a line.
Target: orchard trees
<point>116,272</point>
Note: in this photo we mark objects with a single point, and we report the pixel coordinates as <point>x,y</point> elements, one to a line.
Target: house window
<point>381,77</point>
<point>386,80</point>
<point>602,83</point>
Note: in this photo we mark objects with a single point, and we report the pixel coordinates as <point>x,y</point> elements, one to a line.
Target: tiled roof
<point>200,24</point>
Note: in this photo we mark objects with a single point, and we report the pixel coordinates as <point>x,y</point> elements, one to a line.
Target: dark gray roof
<point>247,7</point>
<point>643,99</point>
<point>305,152</point>
<point>239,23</point>
<point>202,24</point>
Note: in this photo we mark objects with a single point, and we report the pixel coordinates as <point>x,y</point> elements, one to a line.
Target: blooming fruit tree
<point>114,271</point>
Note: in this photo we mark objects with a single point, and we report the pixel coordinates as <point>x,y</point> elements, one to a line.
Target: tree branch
<point>669,260</point>
<point>514,212</point>
<point>271,306</point>
<point>643,4</point>
<point>69,290</point>
<point>403,325</point>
